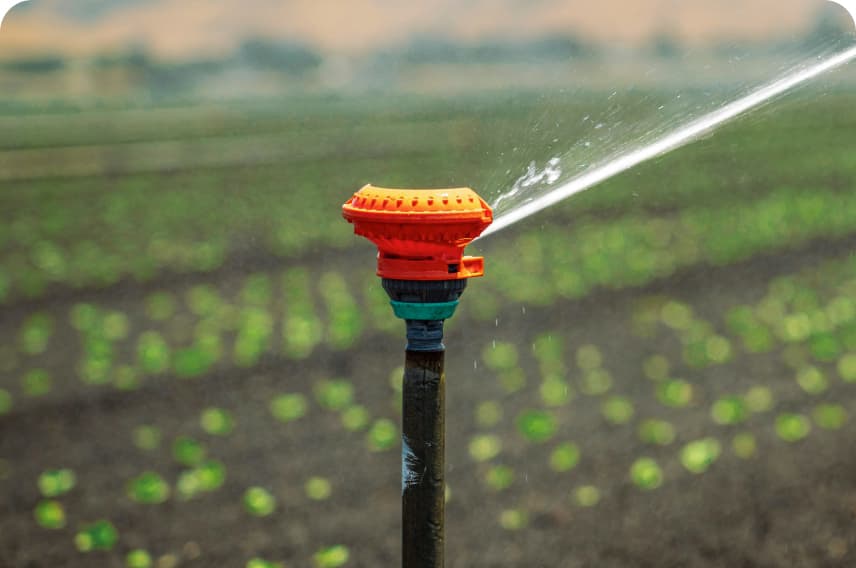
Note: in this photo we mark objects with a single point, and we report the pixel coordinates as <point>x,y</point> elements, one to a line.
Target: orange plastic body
<point>420,233</point>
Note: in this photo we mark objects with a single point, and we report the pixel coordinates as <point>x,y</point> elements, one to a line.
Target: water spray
<point>527,205</point>
<point>421,236</point>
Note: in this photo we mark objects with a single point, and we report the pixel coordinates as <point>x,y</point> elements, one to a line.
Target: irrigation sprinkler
<point>421,235</point>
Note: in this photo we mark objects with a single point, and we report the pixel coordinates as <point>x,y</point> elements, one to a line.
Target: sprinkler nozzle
<point>420,233</point>
<point>420,236</point>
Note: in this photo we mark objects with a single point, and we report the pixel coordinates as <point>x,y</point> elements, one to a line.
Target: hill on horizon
<point>185,28</point>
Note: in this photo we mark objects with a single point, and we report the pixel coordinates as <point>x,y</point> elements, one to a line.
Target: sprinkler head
<point>420,233</point>
<point>420,236</point>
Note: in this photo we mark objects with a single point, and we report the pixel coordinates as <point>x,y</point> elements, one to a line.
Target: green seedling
<point>148,488</point>
<point>36,333</point>
<point>488,414</point>
<point>656,368</point>
<point>675,393</point>
<point>500,356</point>
<point>188,451</point>
<point>485,447</point>
<point>383,435</point>
<point>153,353</point>
<point>812,380</point>
<point>555,392</point>
<point>586,496</point>
<point>147,437</point>
<point>792,427</point>
<point>729,410</point>
<point>617,410</point>
<point>345,324</point>
<point>331,557</point>
<point>334,395</point>
<point>499,477</point>
<point>564,457</point>
<point>744,445</point>
<point>318,488</point>
<point>759,399</point>
<point>288,407</point>
<point>138,558</point>
<point>698,456</point>
<point>261,563</point>
<point>646,474</point>
<point>589,358</point>
<point>100,535</point>
<point>657,432</point>
<point>829,416</point>
<point>513,519</point>
<point>36,383</point>
<point>355,418</point>
<point>50,514</point>
<point>259,502</point>
<point>596,382</point>
<point>536,426</point>
<point>217,421</point>
<point>56,482</point>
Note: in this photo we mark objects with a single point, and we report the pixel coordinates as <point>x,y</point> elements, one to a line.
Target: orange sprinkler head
<point>420,233</point>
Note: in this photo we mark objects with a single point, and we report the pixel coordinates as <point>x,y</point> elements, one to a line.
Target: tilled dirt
<point>792,504</point>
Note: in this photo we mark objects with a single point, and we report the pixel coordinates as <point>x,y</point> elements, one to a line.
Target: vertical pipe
<point>423,462</point>
<point>421,237</point>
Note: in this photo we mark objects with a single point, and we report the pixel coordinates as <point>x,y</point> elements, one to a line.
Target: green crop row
<point>94,231</point>
<point>538,267</point>
<point>630,250</point>
<point>307,308</point>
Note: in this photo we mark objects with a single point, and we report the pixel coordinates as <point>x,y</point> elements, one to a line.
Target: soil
<point>793,504</point>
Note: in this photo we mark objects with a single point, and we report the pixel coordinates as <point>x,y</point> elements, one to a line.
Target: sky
<point>187,28</point>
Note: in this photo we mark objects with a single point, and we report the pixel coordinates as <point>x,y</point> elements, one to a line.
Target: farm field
<point>199,368</point>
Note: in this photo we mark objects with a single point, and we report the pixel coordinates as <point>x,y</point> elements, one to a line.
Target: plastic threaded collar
<point>424,312</point>
<point>425,335</point>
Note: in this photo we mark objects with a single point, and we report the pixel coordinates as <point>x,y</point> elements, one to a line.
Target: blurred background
<point>165,50</point>
<point>198,366</point>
